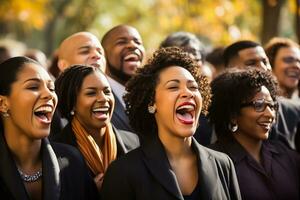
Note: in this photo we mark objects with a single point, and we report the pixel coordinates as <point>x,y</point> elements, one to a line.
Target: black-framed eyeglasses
<point>260,105</point>
<point>290,60</point>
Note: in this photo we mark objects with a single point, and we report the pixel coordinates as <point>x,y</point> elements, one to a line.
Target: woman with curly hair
<point>164,101</point>
<point>243,109</point>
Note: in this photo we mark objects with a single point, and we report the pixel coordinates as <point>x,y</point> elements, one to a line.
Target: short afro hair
<point>231,89</point>
<point>232,50</point>
<point>275,44</point>
<point>141,87</point>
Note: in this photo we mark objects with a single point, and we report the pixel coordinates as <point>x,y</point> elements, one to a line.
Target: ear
<point>4,105</point>
<point>62,64</point>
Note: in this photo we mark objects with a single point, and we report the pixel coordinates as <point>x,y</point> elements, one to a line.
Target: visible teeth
<point>131,56</point>
<point>188,107</point>
<point>44,109</point>
<point>100,109</point>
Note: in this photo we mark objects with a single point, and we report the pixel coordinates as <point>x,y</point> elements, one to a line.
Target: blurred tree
<point>270,15</point>
<point>297,16</point>
<point>45,23</point>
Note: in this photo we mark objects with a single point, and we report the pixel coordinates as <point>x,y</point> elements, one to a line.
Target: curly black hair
<point>141,87</point>
<point>231,89</point>
<point>68,85</point>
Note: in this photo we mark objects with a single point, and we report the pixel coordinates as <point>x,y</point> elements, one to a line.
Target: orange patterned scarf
<point>97,158</point>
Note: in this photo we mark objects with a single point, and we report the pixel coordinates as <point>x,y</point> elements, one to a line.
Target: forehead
<point>95,79</point>
<point>253,52</point>
<point>84,40</point>
<point>32,70</point>
<point>124,32</point>
<point>264,93</point>
<point>289,51</point>
<point>175,73</point>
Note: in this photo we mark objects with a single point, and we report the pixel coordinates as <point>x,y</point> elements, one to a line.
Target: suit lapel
<point>9,173</point>
<point>51,173</point>
<point>119,116</point>
<point>120,144</point>
<point>157,162</point>
<point>206,170</point>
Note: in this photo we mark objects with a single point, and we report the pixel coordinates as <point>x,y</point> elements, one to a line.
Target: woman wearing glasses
<point>284,56</point>
<point>243,110</point>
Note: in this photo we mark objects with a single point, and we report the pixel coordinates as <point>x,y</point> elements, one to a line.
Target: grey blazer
<point>145,174</point>
<point>119,118</point>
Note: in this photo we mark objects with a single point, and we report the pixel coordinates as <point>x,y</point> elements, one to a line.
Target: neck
<point>176,147</point>
<point>253,147</point>
<point>26,151</point>
<point>287,93</point>
<point>98,135</point>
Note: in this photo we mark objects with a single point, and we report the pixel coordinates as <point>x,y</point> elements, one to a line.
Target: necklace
<point>31,178</point>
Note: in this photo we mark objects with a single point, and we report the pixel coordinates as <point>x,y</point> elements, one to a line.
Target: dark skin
<point>124,52</point>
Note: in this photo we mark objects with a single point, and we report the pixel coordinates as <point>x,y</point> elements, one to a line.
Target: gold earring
<point>151,109</point>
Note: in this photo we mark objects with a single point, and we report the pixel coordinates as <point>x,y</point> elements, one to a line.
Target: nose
<point>132,44</point>
<point>101,97</point>
<point>96,55</point>
<point>264,66</point>
<point>48,94</point>
<point>270,112</point>
<point>187,93</point>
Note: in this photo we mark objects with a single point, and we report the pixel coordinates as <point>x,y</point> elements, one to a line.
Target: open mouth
<point>185,113</point>
<point>293,73</point>
<point>44,114</point>
<point>132,58</point>
<point>266,124</point>
<point>101,113</point>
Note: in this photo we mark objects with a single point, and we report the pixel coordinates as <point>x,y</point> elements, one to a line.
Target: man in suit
<point>124,52</point>
<point>247,53</point>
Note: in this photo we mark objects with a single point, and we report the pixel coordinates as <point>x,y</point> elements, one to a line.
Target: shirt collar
<point>118,89</point>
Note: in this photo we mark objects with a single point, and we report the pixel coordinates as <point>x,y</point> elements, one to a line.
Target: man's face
<point>124,52</point>
<point>83,48</point>
<point>253,57</point>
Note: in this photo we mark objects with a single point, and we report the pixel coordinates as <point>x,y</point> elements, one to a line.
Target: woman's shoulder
<point>66,151</point>
<point>217,156</point>
<point>129,139</point>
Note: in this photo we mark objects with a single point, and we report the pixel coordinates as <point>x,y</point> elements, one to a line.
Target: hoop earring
<point>151,109</point>
<point>233,127</point>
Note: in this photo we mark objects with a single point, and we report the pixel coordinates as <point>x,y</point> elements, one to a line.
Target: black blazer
<point>65,175</point>
<point>119,118</point>
<point>126,141</point>
<point>145,174</point>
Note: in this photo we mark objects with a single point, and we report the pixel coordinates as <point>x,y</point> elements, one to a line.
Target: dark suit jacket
<point>277,177</point>
<point>145,174</point>
<point>286,125</point>
<point>65,175</point>
<point>126,141</point>
<point>119,118</point>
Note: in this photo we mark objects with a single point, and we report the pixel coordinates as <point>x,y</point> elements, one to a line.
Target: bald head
<point>81,48</point>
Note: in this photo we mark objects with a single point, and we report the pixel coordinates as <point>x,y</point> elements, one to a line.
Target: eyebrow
<point>37,80</point>
<point>84,47</point>
<point>32,79</point>
<point>178,81</point>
